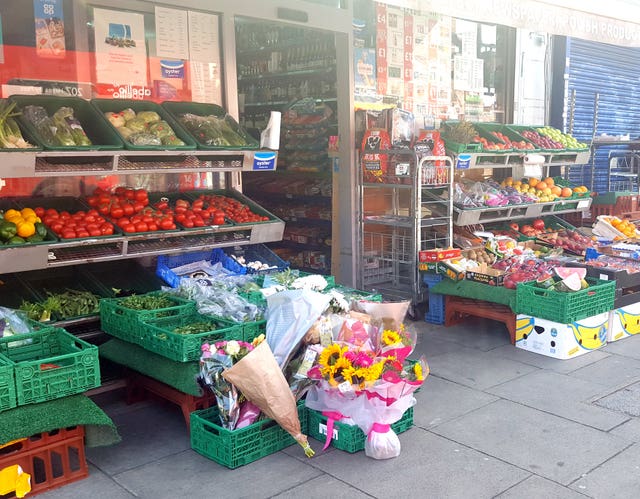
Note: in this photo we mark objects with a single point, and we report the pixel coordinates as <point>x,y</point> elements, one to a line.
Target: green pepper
<point>7,230</point>
<point>16,240</point>
<point>41,229</point>
<point>36,238</point>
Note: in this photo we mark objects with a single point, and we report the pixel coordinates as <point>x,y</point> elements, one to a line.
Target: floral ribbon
<point>378,428</point>
<point>332,417</point>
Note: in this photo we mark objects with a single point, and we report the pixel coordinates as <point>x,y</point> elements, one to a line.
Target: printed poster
<point>1,43</point>
<point>365,74</point>
<point>172,33</point>
<point>204,52</point>
<point>49,28</point>
<point>121,51</point>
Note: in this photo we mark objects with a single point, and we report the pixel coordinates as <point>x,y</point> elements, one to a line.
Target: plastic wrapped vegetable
<point>144,139</point>
<point>172,140</point>
<point>65,115</point>
<point>38,116</point>
<point>160,129</point>
<point>128,114</point>
<point>116,119</point>
<point>137,125</point>
<point>126,132</point>
<point>148,116</point>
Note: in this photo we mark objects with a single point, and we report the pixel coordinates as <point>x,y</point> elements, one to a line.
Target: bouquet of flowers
<point>215,359</point>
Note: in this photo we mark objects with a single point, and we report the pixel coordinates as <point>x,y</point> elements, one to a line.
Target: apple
<point>538,224</point>
<point>514,226</point>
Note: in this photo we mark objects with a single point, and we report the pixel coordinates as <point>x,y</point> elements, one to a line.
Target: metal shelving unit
<point>408,211</point>
<point>74,252</point>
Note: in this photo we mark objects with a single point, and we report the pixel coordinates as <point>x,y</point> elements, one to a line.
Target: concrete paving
<point>490,421</point>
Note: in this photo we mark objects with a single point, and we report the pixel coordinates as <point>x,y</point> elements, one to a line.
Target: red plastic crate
<point>53,459</point>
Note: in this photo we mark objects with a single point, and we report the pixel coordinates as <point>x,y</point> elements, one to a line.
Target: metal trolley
<point>406,207</point>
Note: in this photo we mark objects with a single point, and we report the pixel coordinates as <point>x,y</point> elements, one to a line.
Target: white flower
<point>232,348</point>
<point>314,281</point>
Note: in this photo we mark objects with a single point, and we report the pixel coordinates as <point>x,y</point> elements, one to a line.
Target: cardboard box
<point>561,341</point>
<point>486,275</point>
<point>437,255</point>
<point>624,322</point>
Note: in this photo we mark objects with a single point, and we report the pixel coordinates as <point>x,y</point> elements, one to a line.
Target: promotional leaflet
<point>49,28</point>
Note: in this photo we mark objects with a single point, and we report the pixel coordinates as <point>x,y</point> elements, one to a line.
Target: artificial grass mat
<point>179,375</point>
<point>74,410</point>
<point>476,291</point>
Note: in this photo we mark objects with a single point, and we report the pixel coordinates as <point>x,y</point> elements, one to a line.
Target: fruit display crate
<point>96,127</point>
<point>436,310</point>
<point>237,196</point>
<point>49,364</point>
<point>118,105</point>
<point>53,458</point>
<point>565,308</point>
<point>241,446</point>
<point>349,438</point>
<point>126,323</point>
<point>512,135</point>
<point>159,336</point>
<point>177,109</point>
<point>7,386</point>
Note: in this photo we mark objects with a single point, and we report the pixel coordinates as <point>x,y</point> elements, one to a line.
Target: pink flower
<point>391,376</point>
<point>205,347</point>
<point>363,360</point>
<point>314,372</point>
<point>350,355</point>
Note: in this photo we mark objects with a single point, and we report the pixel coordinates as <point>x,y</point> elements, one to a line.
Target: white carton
<point>624,322</point>
<point>562,341</point>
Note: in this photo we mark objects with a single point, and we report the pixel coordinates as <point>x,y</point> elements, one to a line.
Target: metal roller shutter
<point>614,73</point>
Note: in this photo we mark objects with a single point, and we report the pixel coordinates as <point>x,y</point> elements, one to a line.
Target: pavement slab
<point>152,432</point>
<point>323,487</point>
<point>536,486</point>
<point>617,478</point>
<point>629,430</point>
<point>625,401</point>
<point>99,485</point>
<point>612,372</point>
<point>560,395</point>
<point>549,363</point>
<point>428,466</point>
<point>544,444</point>
<point>191,475</point>
<point>628,347</point>
<point>477,369</point>
<point>440,400</point>
<point>479,334</point>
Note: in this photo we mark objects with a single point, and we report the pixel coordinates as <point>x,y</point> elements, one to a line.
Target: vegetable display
<point>144,128</point>
<point>196,328</point>
<point>65,305</point>
<point>213,130</point>
<point>10,134</point>
<point>231,208</point>
<point>147,302</point>
<point>20,227</point>
<point>61,129</point>
<point>79,224</point>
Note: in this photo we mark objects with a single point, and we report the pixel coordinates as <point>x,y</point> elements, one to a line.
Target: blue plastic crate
<point>255,252</point>
<point>435,314</point>
<point>166,264</point>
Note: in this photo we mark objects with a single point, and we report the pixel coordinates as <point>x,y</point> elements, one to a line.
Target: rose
<point>232,348</point>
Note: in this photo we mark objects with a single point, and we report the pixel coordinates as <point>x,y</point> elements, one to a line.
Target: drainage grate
<point>625,400</point>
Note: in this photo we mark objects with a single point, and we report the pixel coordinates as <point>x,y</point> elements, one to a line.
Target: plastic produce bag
<point>290,314</point>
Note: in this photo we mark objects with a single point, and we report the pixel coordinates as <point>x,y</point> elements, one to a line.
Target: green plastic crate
<point>511,134</point>
<point>158,336</point>
<point>49,364</point>
<point>239,447</point>
<point>565,308</point>
<point>349,438</point>
<point>126,323</point>
<point>97,128</point>
<point>7,386</point>
<point>117,105</point>
<point>177,109</point>
<point>238,196</point>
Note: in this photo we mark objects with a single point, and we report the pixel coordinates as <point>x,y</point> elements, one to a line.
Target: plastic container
<point>565,308</point>
<point>7,386</point>
<point>53,459</point>
<point>435,313</point>
<point>26,135</point>
<point>159,337</point>
<point>241,446</point>
<point>177,109</point>
<point>511,134</point>
<point>209,195</point>
<point>50,364</point>
<point>256,252</point>
<point>117,105</point>
<point>166,263</point>
<point>97,128</point>
<point>349,438</point>
<point>126,323</point>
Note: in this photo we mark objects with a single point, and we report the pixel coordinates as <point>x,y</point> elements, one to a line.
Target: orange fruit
<point>533,182</point>
<point>556,190</point>
<point>566,192</point>
<point>549,181</point>
<point>541,186</point>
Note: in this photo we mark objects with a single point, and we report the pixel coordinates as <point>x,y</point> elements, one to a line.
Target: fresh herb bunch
<point>147,302</point>
<point>70,303</point>
<point>196,328</point>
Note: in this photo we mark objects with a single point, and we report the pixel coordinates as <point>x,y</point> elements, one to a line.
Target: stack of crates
<point>435,313</point>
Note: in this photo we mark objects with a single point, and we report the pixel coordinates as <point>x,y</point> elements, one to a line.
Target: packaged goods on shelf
<point>562,340</point>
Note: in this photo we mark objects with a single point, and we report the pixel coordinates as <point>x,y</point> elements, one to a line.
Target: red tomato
<point>140,194</point>
<point>127,209</point>
<point>218,220</point>
<point>166,224</point>
<point>116,212</point>
<point>187,223</point>
<point>120,190</point>
<point>106,229</point>
<point>129,227</point>
<point>147,218</point>
<point>130,194</point>
<point>142,227</point>
<point>39,211</point>
<point>94,232</point>
<point>68,234</point>
<point>152,226</point>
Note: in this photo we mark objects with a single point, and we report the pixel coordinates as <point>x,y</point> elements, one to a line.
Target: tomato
<point>68,234</point>
<point>128,209</point>
<point>120,190</point>
<point>187,223</point>
<point>140,194</point>
<point>129,227</point>
<point>129,194</point>
<point>166,224</point>
<point>116,212</point>
<point>39,211</point>
<point>152,226</point>
<point>106,229</point>
<point>218,220</point>
<point>141,227</point>
<point>56,227</point>
<point>123,221</point>
<point>147,218</point>
<point>198,222</point>
<point>161,205</point>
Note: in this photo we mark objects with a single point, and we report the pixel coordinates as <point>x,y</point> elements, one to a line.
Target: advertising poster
<point>381,47</point>
<point>49,28</point>
<point>409,88</point>
<point>121,51</point>
<point>1,43</point>
<point>365,74</point>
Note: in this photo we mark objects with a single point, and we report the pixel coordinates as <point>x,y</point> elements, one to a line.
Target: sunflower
<point>390,337</point>
<point>417,371</point>
<point>334,369</point>
<point>373,372</point>
<point>331,354</point>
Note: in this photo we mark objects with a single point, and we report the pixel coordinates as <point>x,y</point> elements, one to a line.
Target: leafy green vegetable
<point>147,302</point>
<point>196,328</point>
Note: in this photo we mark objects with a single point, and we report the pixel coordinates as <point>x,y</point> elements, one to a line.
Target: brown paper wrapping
<point>259,378</point>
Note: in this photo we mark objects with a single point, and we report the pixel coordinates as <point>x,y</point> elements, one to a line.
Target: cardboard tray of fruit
<point>612,227</point>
